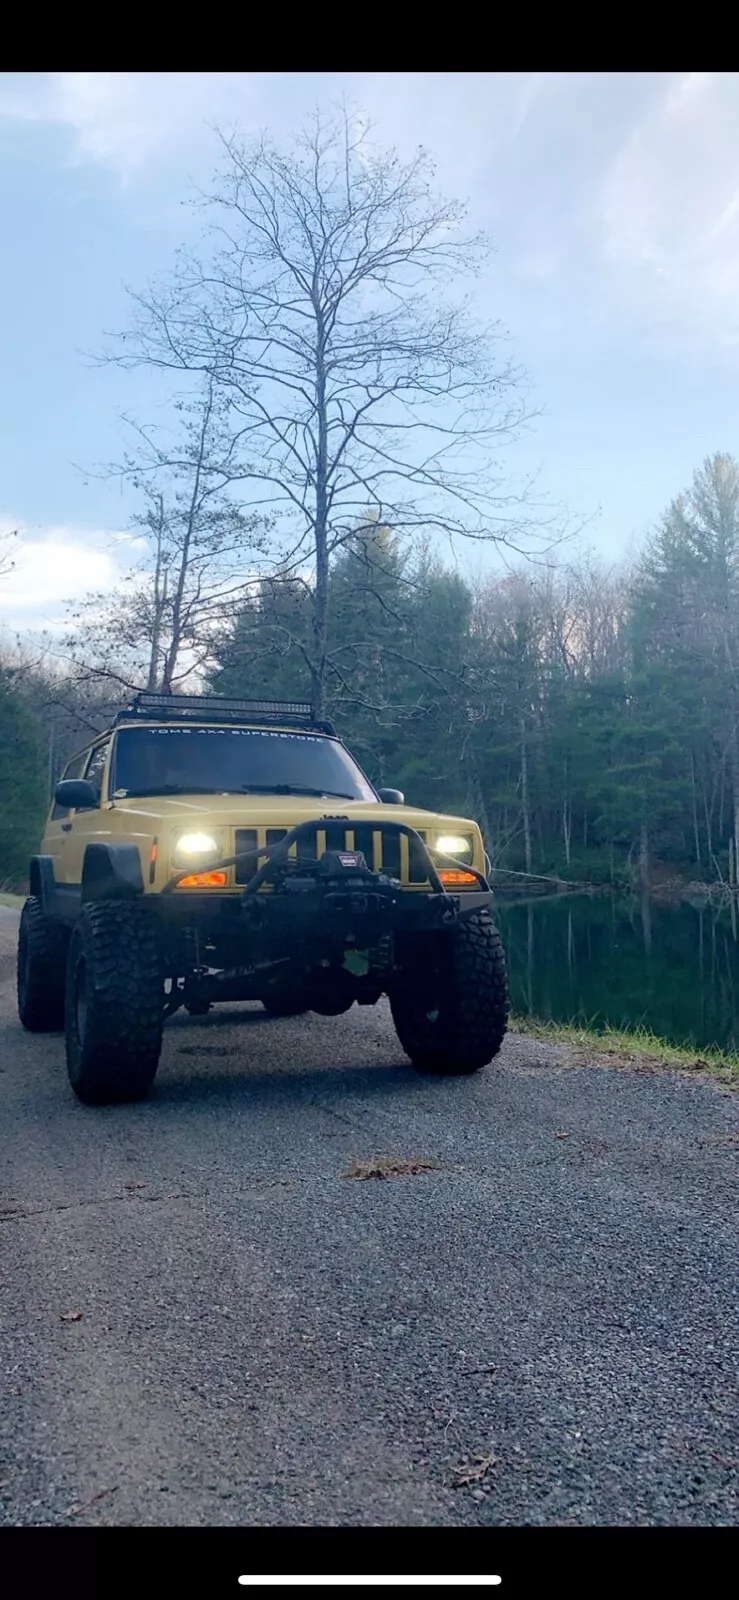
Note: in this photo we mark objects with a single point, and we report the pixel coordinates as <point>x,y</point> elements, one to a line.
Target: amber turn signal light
<point>202,880</point>
<point>456,876</point>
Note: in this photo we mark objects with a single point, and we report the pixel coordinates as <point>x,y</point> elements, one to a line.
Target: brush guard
<point>339,889</point>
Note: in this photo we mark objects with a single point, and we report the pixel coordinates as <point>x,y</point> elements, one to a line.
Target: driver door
<point>83,826</point>
<point>59,824</point>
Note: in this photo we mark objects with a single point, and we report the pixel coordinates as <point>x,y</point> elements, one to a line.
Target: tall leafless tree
<point>199,554</point>
<point>324,305</point>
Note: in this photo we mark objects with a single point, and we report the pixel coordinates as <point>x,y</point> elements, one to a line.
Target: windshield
<point>153,761</point>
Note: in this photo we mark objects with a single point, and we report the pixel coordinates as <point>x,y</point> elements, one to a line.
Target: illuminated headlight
<point>453,844</point>
<point>195,847</point>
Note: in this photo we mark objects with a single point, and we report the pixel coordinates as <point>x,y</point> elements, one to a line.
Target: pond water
<point>601,960</point>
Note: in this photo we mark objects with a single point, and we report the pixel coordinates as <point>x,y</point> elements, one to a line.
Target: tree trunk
<point>709,825</point>
<point>320,531</point>
<point>696,831</point>
<point>52,752</point>
<point>175,641</point>
<point>525,809</point>
<point>160,600</point>
<point>567,816</point>
<point>530,960</point>
<point>476,801</point>
<point>735,801</point>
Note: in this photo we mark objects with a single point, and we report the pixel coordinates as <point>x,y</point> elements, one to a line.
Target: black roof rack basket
<point>147,706</point>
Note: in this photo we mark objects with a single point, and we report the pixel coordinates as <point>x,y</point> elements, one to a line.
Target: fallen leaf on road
<point>389,1167</point>
<point>473,1471</point>
<point>70,1316</point>
<point>561,1135</point>
<point>74,1511</point>
<point>131,1186</point>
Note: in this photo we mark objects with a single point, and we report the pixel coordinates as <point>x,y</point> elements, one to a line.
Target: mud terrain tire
<point>450,1008</point>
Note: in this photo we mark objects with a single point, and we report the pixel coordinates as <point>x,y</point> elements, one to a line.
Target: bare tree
<point>324,306</point>
<point>200,554</point>
<point>8,547</point>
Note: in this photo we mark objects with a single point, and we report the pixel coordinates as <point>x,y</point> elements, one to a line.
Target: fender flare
<point>41,882</point>
<point>111,872</point>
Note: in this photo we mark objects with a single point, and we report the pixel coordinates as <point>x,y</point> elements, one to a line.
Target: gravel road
<point>203,1321</point>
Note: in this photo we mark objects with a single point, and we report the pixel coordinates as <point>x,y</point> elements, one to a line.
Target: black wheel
<point>450,1008</point>
<point>114,1004</point>
<point>42,958</point>
<point>197,1008</point>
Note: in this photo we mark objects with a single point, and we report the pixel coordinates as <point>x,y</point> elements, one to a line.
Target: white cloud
<point>133,122</point>
<point>670,205</point>
<point>55,565</point>
<point>124,120</point>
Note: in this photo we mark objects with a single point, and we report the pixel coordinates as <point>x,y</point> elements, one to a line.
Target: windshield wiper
<point>167,788</point>
<point>295,788</point>
<point>244,788</point>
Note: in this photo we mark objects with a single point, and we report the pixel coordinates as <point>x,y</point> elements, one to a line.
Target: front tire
<point>450,1008</point>
<point>114,1004</point>
<point>42,955</point>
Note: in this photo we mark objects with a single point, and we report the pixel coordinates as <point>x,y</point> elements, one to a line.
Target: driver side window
<point>96,766</point>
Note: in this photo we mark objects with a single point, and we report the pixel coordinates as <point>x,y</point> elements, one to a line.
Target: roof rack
<point>149,707</point>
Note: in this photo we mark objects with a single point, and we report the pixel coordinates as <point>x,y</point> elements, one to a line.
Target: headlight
<point>453,844</point>
<point>195,846</point>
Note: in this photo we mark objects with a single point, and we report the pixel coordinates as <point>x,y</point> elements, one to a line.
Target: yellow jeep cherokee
<point>211,850</point>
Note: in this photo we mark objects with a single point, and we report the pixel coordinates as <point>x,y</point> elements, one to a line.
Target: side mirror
<point>391,797</point>
<point>76,794</point>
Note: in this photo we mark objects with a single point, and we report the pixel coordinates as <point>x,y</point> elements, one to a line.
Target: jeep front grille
<point>384,852</point>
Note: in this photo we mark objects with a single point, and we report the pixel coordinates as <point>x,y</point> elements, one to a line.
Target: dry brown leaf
<point>83,1505</point>
<point>473,1471</point>
<point>131,1186</point>
<point>561,1135</point>
<point>70,1316</point>
<point>390,1167</point>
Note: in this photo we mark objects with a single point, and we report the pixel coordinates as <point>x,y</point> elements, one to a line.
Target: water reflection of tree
<point>625,963</point>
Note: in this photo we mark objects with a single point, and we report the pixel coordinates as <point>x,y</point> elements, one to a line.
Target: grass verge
<point>14,901</point>
<point>633,1047</point>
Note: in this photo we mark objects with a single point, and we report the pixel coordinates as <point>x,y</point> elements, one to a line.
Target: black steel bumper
<point>337,896</point>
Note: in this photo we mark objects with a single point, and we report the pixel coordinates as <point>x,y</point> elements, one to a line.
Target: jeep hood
<point>274,810</point>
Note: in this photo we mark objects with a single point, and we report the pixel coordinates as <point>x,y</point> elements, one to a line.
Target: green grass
<point>15,901</point>
<point>631,1047</point>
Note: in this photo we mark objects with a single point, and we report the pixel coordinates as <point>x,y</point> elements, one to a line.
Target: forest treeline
<point>587,715</point>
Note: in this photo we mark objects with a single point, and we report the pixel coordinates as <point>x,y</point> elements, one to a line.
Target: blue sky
<point>612,201</point>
